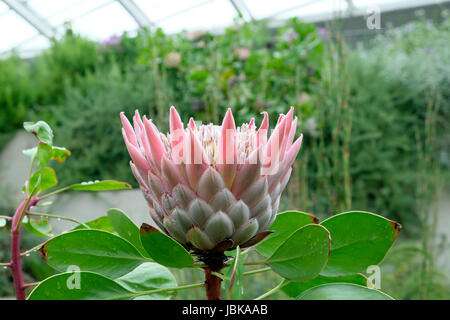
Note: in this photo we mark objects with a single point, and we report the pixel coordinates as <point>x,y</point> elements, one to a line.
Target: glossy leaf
<point>234,274</point>
<point>284,225</point>
<point>126,228</point>
<point>294,289</point>
<point>303,255</point>
<point>343,291</point>
<point>149,276</point>
<point>101,223</point>
<point>164,249</point>
<point>41,130</point>
<point>78,286</point>
<point>359,239</point>
<point>91,250</point>
<point>39,227</point>
<point>105,185</point>
<point>47,180</point>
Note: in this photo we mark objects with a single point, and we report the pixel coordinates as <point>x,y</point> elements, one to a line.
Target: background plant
<point>363,110</point>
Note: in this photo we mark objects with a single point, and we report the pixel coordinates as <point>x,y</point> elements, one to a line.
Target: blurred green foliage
<point>366,113</point>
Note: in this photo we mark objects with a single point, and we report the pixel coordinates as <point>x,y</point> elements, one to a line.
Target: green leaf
<point>91,250</point>
<point>101,223</point>
<point>149,276</point>
<point>294,289</point>
<point>60,154</point>
<point>39,227</point>
<point>284,225</point>
<point>163,249</point>
<point>41,130</point>
<point>47,180</point>
<point>235,274</point>
<point>303,255</point>
<point>105,185</point>
<point>31,153</point>
<point>343,291</point>
<point>78,286</point>
<point>126,228</point>
<point>44,154</point>
<point>359,239</point>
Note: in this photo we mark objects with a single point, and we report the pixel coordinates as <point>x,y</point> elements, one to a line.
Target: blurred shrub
<point>362,111</point>
<point>16,94</point>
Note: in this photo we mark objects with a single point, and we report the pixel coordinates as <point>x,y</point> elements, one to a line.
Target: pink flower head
<point>212,187</point>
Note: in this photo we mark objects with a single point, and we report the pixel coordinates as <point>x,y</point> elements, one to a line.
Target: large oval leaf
<point>284,225</point>
<point>303,255</point>
<point>149,276</point>
<point>78,286</point>
<point>294,289</point>
<point>343,291</point>
<point>164,249</point>
<point>105,185</point>
<point>91,250</point>
<point>126,228</point>
<point>359,239</point>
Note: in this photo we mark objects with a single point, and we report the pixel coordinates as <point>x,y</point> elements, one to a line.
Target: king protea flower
<point>212,187</point>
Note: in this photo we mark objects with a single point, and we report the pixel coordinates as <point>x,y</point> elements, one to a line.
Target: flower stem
<point>249,273</point>
<point>16,267</point>
<point>213,284</point>
<point>53,216</point>
<point>272,291</point>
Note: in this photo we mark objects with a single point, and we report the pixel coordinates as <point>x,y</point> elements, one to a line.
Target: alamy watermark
<point>374,276</point>
<point>73,281</point>
<point>373,19</point>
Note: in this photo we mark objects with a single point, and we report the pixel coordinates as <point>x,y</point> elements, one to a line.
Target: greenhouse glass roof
<point>27,25</point>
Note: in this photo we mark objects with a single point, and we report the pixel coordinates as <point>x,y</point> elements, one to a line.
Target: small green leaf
<point>39,227</point>
<point>78,286</point>
<point>126,228</point>
<point>163,249</point>
<point>44,154</point>
<point>294,289</point>
<point>359,239</point>
<point>235,272</point>
<point>149,276</point>
<point>91,250</point>
<point>303,255</point>
<point>105,185</point>
<point>343,291</point>
<point>41,130</point>
<point>47,180</point>
<point>101,223</point>
<point>31,153</point>
<point>284,225</point>
<point>60,154</point>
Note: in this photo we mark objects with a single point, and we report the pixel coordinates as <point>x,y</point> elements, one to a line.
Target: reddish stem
<point>16,267</point>
<point>213,284</point>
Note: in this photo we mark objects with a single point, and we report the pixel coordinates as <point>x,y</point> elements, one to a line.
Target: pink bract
<point>212,187</point>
